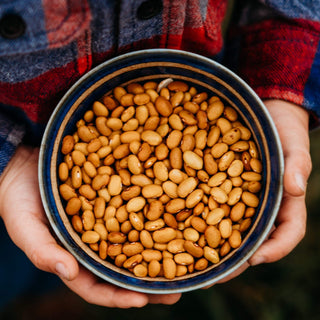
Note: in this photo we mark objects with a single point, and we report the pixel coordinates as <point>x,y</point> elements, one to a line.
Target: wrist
<point>19,162</point>
<point>282,109</point>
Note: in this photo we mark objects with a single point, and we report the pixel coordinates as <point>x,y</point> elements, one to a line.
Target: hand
<point>292,125</point>
<point>26,223</point>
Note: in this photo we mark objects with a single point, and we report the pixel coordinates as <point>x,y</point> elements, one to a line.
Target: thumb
<point>292,125</point>
<point>34,238</point>
<point>298,167</point>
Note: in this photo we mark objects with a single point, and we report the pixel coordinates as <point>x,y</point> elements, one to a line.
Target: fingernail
<point>300,181</point>
<point>254,261</point>
<point>62,271</point>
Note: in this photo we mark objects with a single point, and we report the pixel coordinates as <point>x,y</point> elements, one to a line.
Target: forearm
<point>275,49</point>
<point>11,134</point>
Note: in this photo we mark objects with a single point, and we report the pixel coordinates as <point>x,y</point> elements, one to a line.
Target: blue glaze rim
<point>128,61</point>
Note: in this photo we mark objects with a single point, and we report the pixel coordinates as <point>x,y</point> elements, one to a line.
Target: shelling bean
<point>160,179</point>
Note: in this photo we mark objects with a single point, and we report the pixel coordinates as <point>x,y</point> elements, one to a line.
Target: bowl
<point>157,65</point>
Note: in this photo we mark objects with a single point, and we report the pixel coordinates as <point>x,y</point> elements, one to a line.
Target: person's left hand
<point>26,223</point>
<point>292,123</point>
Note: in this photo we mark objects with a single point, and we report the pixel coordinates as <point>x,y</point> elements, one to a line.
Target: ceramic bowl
<point>158,64</point>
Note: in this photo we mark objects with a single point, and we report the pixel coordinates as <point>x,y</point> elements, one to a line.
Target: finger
<point>165,298</point>
<point>290,230</point>
<point>236,273</point>
<point>297,170</point>
<point>295,144</point>
<point>103,293</point>
<point>32,236</point>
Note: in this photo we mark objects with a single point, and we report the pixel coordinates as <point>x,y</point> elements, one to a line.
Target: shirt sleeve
<point>275,48</point>
<point>11,135</point>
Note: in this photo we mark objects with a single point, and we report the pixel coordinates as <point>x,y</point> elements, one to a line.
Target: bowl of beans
<point>161,171</point>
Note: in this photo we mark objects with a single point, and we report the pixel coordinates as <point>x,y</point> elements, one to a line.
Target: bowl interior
<point>205,75</point>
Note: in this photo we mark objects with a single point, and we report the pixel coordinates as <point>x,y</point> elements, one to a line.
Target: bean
<point>217,179</point>
<point>231,136</point>
<point>153,225</point>
<point>176,158</point>
<point>115,185</point>
<point>90,237</point>
<point>88,220</point>
<point>250,199</point>
<point>210,164</point>
<point>154,268</point>
<point>151,137</point>
<point>131,249</point>
<point>73,206</point>
<point>170,188</point>
<point>215,110</point>
<point>183,258</point>
<point>163,106</point>
<point>225,228</point>
<point>77,223</point>
<point>146,239</point>
<point>136,204</point>
<point>198,224</point>
<point>101,230</point>
<point>67,144</point>
<point>251,176</point>
<point>219,149</point>
<point>161,152</point>
<point>160,171</point>
<point>211,254</point>
<point>219,195</point>
<point>67,192</point>
<point>215,216</point>
<point>132,261</point>
<point>152,123</point>
<point>87,191</point>
<point>256,165</point>
<point>193,160</point>
<point>201,264</point>
<point>212,236</point>
<point>134,164</point>
<point>225,249</point>
<point>176,246</point>
<point>160,178</point>
<point>152,191</point>
<point>178,86</point>
<point>175,205</point>
<point>236,168</point>
<point>164,235</point>
<point>169,268</point>
<point>194,198</point>
<point>234,196</point>
<point>155,210</point>
<point>112,225</point>
<point>192,248</point>
<point>240,146</point>
<point>174,139</point>
<point>235,239</point>
<point>186,187</point>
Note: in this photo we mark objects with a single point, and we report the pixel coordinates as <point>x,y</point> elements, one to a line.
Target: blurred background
<point>287,289</point>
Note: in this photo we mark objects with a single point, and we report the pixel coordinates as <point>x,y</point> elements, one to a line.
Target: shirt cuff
<point>280,59</point>
<point>11,135</point>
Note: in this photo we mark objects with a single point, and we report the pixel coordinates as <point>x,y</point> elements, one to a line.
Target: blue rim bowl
<point>157,64</point>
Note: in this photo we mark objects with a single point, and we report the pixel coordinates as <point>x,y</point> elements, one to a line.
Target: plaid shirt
<point>275,48</point>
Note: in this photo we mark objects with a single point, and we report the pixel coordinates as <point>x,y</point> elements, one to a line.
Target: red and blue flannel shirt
<point>46,45</point>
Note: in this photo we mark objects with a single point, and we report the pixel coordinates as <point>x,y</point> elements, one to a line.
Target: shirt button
<point>149,9</point>
<point>12,26</point>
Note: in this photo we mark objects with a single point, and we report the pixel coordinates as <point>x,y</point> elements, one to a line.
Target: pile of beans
<point>160,179</point>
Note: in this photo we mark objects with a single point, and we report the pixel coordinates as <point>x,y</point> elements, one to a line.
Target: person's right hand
<point>26,223</point>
